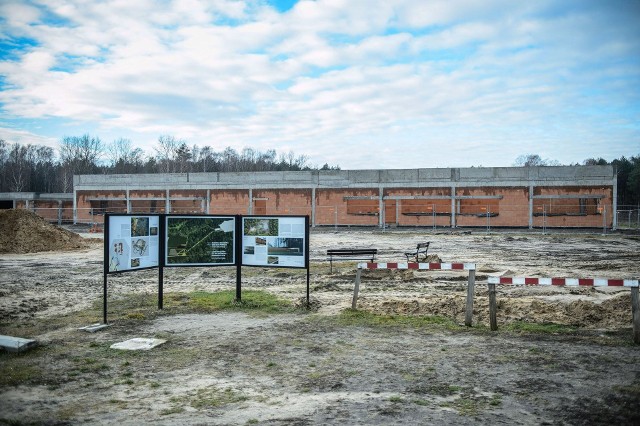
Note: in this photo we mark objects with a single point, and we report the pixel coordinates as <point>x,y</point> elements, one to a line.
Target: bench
<point>419,254</point>
<point>351,254</point>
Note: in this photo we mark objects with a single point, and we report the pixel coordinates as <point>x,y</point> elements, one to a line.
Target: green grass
<point>369,319</point>
<point>537,328</point>
<point>213,397</point>
<point>252,300</point>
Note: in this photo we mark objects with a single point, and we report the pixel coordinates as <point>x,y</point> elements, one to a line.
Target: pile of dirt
<point>22,231</point>
<point>614,312</point>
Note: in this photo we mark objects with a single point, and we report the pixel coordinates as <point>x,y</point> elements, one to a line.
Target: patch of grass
<point>23,374</point>
<point>396,399</point>
<point>213,397</point>
<point>172,410</point>
<point>370,319</point>
<point>468,404</point>
<point>252,300</point>
<point>540,328</point>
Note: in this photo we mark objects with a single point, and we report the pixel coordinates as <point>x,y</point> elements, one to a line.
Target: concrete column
<point>75,207</point>
<point>167,203</point>
<point>128,201</point>
<point>397,212</point>
<point>250,209</point>
<point>614,206</point>
<point>59,212</point>
<point>313,207</point>
<point>380,207</point>
<point>530,206</point>
<point>453,206</point>
<point>208,200</point>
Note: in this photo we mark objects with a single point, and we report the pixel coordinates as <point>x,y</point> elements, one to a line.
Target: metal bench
<point>351,254</point>
<point>419,254</point>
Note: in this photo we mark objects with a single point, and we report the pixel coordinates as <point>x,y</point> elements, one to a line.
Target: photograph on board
<point>200,240</point>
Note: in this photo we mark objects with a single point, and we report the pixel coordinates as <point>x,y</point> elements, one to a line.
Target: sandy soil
<point>231,368</point>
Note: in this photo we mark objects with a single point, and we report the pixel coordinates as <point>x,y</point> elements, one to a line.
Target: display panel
<point>274,241</point>
<point>200,240</point>
<point>133,242</point>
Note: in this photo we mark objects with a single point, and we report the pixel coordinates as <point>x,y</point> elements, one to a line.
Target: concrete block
<point>16,344</point>
<point>93,327</point>
<point>138,344</point>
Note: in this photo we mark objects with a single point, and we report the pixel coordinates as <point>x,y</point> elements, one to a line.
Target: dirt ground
<point>316,368</point>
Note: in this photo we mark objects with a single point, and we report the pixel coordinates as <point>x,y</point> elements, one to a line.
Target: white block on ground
<point>94,327</point>
<point>16,344</point>
<point>138,344</point>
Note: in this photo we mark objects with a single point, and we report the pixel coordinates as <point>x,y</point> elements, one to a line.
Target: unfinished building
<point>565,196</point>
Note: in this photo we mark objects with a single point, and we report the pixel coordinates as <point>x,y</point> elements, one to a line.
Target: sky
<point>363,84</point>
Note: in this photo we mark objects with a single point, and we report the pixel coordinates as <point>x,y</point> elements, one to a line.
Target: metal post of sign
<point>104,300</point>
<point>160,286</point>
<point>306,252</point>
<point>105,268</point>
<point>162,235</point>
<point>238,251</point>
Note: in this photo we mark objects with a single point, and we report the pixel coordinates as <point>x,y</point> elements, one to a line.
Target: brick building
<point>571,196</point>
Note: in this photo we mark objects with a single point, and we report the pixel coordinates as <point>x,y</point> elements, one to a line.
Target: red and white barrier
<point>419,266</point>
<point>571,282</point>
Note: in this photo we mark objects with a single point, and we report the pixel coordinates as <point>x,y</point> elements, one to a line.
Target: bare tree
<point>166,151</point>
<point>18,168</point>
<point>79,155</point>
<point>123,157</point>
<point>532,160</point>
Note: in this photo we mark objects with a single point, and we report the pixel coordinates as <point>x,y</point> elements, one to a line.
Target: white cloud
<point>24,137</point>
<point>329,75</point>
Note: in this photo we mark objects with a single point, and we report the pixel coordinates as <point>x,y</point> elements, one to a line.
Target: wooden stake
<point>356,289</point>
<point>493,307</point>
<point>468,320</point>
<point>635,310</point>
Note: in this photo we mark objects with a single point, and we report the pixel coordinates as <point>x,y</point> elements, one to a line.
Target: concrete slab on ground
<point>138,344</point>
<point>16,344</point>
<point>93,327</point>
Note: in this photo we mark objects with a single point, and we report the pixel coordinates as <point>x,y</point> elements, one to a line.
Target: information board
<point>274,241</point>
<point>133,242</point>
<point>200,240</point>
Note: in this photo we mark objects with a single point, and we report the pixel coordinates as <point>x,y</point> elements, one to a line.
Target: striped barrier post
<point>471,267</point>
<point>568,282</point>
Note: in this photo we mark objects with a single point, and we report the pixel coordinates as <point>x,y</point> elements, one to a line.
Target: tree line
<point>38,168</point>
<point>628,173</point>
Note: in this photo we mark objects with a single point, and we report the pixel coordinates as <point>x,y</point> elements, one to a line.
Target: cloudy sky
<point>358,83</point>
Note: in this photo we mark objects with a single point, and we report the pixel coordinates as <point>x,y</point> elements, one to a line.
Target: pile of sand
<point>22,231</point>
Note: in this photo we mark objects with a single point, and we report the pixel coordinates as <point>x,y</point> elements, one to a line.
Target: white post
<point>75,207</point>
<point>313,207</point>
<point>335,214</point>
<point>531,207</point>
<point>468,320</point>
